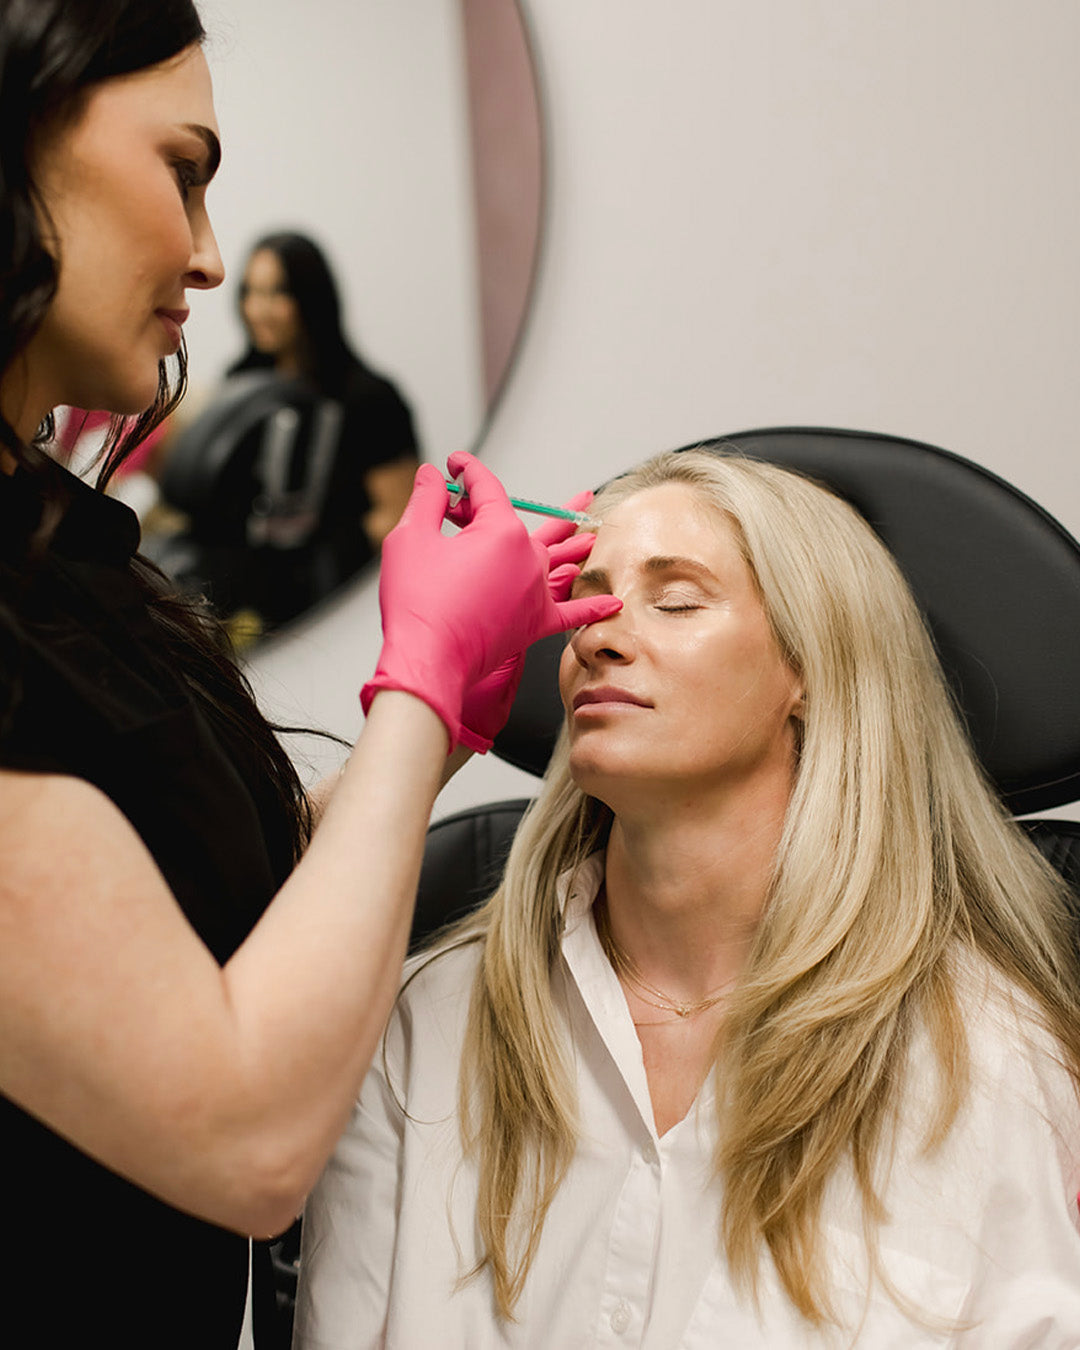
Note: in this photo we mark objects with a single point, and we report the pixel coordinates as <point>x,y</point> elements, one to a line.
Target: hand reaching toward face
<point>457,608</point>
<point>488,702</point>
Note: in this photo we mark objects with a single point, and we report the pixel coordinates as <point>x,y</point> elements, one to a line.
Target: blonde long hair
<point>895,856</point>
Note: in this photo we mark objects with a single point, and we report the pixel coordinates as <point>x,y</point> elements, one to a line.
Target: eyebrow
<point>601,578</point>
<point>213,147</point>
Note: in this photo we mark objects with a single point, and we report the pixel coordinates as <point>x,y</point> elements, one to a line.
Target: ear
<point>798,701</point>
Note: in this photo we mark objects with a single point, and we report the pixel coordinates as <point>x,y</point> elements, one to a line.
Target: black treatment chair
<point>258,477</point>
<point>999,582</point>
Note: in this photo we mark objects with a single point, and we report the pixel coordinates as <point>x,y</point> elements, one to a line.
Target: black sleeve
<point>378,425</point>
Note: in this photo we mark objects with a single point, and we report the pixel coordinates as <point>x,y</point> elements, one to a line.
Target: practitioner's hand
<point>454,608</point>
<point>487,703</point>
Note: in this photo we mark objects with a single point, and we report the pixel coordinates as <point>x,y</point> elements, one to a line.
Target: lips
<point>607,694</point>
<point>172,320</point>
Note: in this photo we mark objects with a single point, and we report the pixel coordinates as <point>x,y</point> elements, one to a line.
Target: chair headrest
<point>996,576</point>
<point>193,470</point>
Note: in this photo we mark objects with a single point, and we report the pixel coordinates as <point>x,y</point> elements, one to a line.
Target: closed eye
<point>188,175</point>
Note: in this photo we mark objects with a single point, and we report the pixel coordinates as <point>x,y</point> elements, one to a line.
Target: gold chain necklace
<point>626,969</point>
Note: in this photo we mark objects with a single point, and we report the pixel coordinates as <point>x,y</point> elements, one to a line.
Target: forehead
<point>672,519</point>
<point>175,92</point>
<point>265,268</point>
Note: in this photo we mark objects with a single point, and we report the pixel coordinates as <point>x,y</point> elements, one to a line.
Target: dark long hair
<point>326,356</point>
<point>51,53</point>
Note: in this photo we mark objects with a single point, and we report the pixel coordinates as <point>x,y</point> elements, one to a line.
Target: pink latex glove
<point>487,704</point>
<point>454,608</point>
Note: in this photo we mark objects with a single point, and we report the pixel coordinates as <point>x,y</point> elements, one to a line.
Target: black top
<point>279,552</point>
<point>86,690</point>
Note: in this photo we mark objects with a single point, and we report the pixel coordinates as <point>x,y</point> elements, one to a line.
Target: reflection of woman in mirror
<point>292,475</point>
<point>291,312</point>
<point>770,1036</point>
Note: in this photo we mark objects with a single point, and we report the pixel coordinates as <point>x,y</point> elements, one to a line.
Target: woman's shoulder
<point>436,984</point>
<point>1017,1062</point>
<point>422,1044</point>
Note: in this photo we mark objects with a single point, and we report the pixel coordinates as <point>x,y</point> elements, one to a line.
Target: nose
<point>206,270</point>
<point>611,639</point>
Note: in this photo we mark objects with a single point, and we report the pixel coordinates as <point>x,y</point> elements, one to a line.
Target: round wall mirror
<point>404,142</point>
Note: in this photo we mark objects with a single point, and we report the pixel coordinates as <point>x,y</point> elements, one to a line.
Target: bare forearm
<point>314,983</point>
<point>222,1091</point>
<point>319,796</point>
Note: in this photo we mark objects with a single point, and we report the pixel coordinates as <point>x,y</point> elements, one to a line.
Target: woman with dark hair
<point>192,976</point>
<point>291,311</point>
<point>298,468</point>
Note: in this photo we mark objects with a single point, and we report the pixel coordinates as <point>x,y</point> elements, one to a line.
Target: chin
<point>134,399</point>
<point>596,773</point>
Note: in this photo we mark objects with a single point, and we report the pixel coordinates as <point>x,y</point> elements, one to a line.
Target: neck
<point>686,890</point>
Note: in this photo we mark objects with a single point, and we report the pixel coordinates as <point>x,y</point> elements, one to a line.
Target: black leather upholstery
<point>462,864</point>
<point>998,579</point>
<point>1059,843</point>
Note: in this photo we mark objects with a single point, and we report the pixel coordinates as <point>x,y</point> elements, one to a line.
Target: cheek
<point>154,228</point>
<point>567,666</point>
<point>175,234</point>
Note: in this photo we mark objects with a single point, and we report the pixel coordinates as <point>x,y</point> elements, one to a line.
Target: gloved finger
<point>589,609</point>
<point>561,579</point>
<point>554,530</point>
<point>575,549</point>
<point>485,492</point>
<point>428,501</point>
<point>580,501</point>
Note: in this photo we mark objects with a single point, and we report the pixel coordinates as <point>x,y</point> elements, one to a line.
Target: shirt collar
<point>576,889</point>
<point>94,527</point>
<point>589,970</point>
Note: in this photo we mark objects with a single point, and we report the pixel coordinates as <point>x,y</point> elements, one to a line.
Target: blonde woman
<point>771,1034</point>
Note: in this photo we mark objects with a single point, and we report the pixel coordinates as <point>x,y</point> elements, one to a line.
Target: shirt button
<point>650,1154</point>
<point>620,1318</point>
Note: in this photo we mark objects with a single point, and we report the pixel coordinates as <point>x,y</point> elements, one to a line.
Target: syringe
<point>539,509</point>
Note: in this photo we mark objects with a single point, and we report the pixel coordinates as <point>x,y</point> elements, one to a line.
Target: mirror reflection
<point>378,210</point>
<point>286,484</point>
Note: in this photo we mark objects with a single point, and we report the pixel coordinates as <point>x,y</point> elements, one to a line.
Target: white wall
<point>777,211</point>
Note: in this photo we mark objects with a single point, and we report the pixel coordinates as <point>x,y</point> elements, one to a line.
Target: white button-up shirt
<point>983,1234</point>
